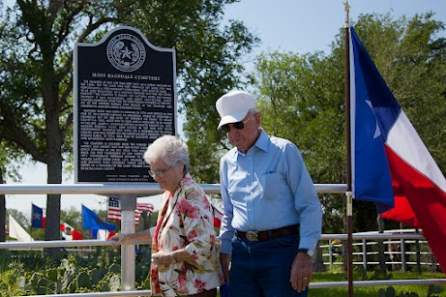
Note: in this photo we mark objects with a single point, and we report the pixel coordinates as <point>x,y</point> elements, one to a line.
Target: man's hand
<point>225,259</point>
<point>301,271</point>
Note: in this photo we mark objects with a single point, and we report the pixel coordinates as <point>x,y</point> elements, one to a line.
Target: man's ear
<point>258,118</point>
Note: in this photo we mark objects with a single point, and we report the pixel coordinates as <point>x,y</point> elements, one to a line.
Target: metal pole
<point>348,148</point>
<point>403,255</point>
<point>128,206</point>
<point>364,255</point>
<point>2,211</point>
<point>330,254</point>
<point>381,252</point>
<point>418,253</point>
<point>350,243</point>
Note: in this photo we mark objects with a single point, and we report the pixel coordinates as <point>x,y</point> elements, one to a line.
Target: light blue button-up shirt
<point>267,188</point>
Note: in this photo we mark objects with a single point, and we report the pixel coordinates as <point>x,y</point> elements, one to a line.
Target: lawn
<point>419,290</point>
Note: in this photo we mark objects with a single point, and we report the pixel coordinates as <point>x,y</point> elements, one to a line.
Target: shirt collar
<point>263,141</point>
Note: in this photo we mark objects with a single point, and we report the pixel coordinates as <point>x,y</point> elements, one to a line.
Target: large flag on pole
<point>388,157</point>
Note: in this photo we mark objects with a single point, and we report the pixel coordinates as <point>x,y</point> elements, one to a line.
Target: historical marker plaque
<point>124,98</point>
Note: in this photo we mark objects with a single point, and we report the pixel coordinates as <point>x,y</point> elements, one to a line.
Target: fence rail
<point>131,190</point>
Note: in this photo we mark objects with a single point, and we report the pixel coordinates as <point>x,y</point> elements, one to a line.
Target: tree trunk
<point>54,142</point>
<point>54,177</point>
<point>54,170</point>
<point>2,211</point>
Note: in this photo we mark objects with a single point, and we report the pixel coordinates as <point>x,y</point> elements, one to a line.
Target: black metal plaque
<point>124,92</point>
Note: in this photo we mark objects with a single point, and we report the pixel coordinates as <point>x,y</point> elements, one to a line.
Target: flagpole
<point>349,202</point>
<point>31,225</point>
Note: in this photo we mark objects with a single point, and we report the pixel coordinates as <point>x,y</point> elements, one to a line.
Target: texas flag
<point>38,220</point>
<point>389,160</point>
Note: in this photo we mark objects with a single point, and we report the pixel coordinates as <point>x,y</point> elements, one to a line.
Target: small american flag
<point>114,209</point>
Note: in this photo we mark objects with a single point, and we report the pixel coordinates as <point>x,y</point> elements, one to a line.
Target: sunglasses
<point>237,125</point>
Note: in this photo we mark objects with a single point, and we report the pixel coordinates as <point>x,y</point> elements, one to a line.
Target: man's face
<point>244,134</point>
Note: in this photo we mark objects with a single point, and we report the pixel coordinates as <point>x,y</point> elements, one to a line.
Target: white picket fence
<point>404,253</point>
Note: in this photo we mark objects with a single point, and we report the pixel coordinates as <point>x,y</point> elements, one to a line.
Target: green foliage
<point>432,291</point>
<point>302,98</point>
<point>32,274</point>
<point>10,280</point>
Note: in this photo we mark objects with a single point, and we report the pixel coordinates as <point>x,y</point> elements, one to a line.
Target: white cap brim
<point>234,118</point>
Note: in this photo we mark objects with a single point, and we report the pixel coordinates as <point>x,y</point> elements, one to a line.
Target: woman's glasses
<point>159,172</point>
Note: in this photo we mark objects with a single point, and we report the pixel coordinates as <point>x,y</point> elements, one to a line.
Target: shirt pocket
<point>274,185</point>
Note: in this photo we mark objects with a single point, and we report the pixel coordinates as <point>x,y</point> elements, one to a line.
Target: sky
<point>299,26</point>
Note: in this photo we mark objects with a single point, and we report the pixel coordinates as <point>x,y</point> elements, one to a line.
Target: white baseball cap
<point>234,106</point>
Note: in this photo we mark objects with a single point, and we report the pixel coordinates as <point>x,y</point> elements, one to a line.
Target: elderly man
<point>272,216</point>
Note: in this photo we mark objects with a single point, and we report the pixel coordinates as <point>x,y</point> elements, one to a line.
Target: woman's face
<point>168,177</point>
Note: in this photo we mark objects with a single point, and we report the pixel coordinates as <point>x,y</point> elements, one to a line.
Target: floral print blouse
<point>185,221</point>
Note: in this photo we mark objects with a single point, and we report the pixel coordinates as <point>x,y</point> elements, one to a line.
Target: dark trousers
<point>262,268</point>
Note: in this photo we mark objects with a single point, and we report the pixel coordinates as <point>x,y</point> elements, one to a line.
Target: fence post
<point>418,253</point>
<point>364,254</point>
<point>433,261</point>
<point>128,206</point>
<point>330,254</point>
<point>381,254</point>
<point>403,255</point>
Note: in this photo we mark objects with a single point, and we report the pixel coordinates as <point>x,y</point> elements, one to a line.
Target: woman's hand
<point>121,239</point>
<point>142,237</point>
<point>125,239</point>
<point>116,240</point>
<point>163,258</point>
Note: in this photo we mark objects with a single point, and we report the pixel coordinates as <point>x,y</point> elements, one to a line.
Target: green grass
<point>420,290</point>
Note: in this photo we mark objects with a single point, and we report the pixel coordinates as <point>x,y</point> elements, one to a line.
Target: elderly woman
<point>184,245</point>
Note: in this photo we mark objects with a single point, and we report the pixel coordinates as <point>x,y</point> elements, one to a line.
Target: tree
<point>2,210</point>
<point>301,100</point>
<point>302,97</point>
<point>36,42</point>
<point>35,67</point>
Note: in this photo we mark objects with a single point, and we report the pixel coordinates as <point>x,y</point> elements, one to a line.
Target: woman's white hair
<point>170,149</point>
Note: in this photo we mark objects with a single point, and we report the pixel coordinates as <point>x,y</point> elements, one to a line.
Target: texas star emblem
<point>126,52</point>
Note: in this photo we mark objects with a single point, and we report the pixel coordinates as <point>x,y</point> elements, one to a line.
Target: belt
<point>268,234</point>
